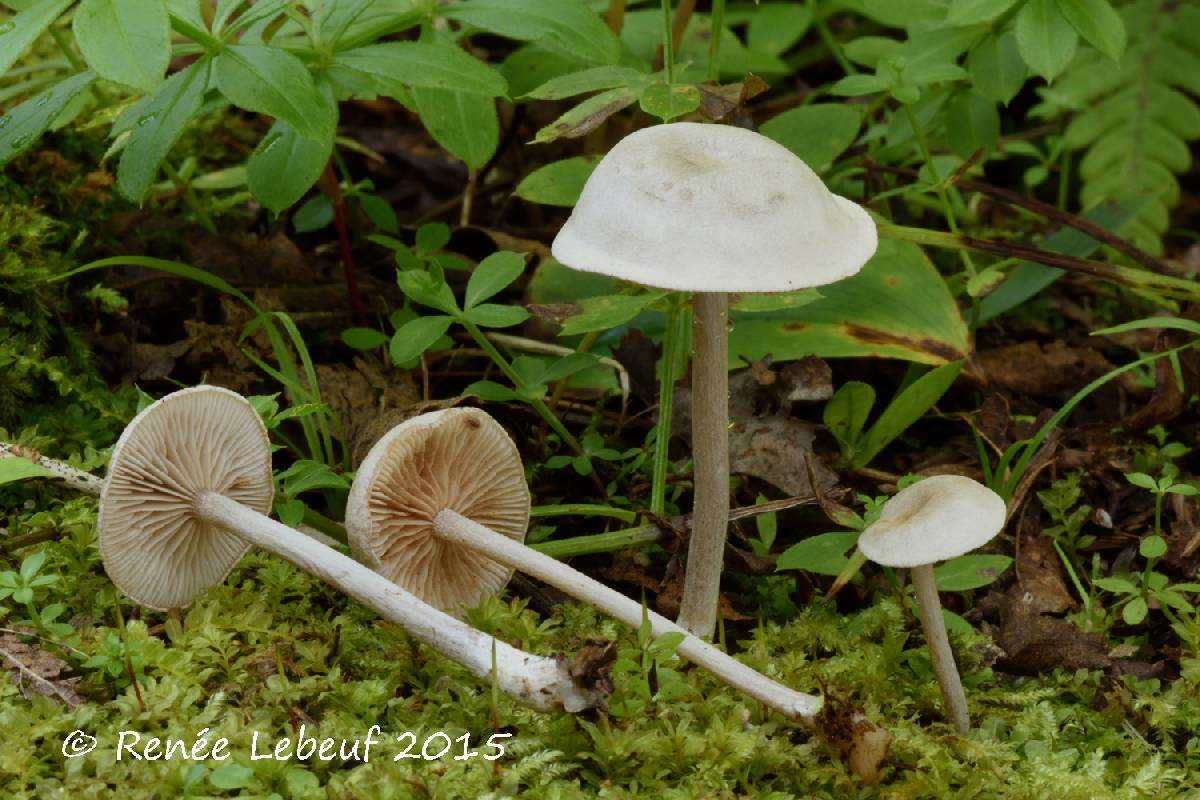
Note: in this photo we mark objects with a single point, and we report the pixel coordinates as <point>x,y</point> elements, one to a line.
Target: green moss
<point>272,649</point>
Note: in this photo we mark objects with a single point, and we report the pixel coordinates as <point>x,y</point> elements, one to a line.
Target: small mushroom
<point>936,519</point>
<point>188,487</point>
<point>421,511</point>
<point>711,209</point>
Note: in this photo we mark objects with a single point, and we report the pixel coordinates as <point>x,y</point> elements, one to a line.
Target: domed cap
<point>939,518</point>
<point>712,208</point>
<point>200,439</point>
<point>458,459</point>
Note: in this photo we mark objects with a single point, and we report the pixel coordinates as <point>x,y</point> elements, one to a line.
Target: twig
<point>25,669</point>
<point>329,185</point>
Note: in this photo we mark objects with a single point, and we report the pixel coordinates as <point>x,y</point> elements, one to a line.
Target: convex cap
<point>458,459</point>
<point>200,439</point>
<point>938,518</point>
<point>712,208</point>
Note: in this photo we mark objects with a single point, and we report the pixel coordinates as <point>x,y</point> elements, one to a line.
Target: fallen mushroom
<point>938,518</point>
<point>711,209</point>
<point>421,511</point>
<point>189,484</point>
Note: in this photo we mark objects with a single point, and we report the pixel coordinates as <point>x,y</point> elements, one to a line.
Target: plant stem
<point>538,404</point>
<point>672,340</point>
<point>714,40</point>
<point>583,509</point>
<point>943,198</point>
<point>599,543</point>
<point>668,44</point>
<point>189,197</point>
<point>615,16</point>
<point>1126,276</point>
<point>835,47</point>
<point>329,185</point>
<point>930,608</point>
<point>710,449</point>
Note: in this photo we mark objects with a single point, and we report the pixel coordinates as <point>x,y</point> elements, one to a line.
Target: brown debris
<point>863,744</point>
<point>1041,370</point>
<point>38,671</point>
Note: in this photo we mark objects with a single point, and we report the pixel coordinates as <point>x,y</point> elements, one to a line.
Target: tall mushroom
<point>188,487</point>
<point>938,518</point>
<point>711,209</point>
<point>421,511</point>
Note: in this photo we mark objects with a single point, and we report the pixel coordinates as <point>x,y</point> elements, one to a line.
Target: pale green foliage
<point>1136,119</point>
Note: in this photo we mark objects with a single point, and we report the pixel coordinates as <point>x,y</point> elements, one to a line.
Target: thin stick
<point>77,479</point>
<point>930,608</point>
<point>710,448</point>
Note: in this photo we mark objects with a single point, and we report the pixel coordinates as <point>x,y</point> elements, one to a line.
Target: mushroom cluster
<point>189,483</point>
<point>422,511</point>
<point>711,209</point>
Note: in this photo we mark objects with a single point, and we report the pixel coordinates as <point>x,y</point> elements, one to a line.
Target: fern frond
<point>1135,119</point>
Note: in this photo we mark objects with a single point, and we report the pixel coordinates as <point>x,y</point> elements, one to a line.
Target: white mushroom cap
<point>939,518</point>
<point>200,439</point>
<point>458,459</point>
<point>712,208</point>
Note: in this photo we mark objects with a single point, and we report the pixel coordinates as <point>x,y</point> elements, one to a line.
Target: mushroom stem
<point>454,527</point>
<point>710,451</point>
<point>930,608</point>
<point>537,681</point>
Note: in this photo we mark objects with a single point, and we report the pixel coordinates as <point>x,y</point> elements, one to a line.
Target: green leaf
<point>854,85</point>
<point>669,102</point>
<point>429,65</point>
<point>492,275</point>
<point>588,80</point>
<point>16,469</point>
<point>971,12</point>
<point>973,123</point>
<point>1153,547</point>
<point>909,406</point>
<point>231,776</point>
<point>824,554</point>
<point>1097,23</point>
<point>1135,611</point>
<point>316,213</point>
<point>159,124</point>
<point>817,133</point>
<point>558,183</point>
<point>22,126</point>
<point>490,391</point>
<point>31,564</point>
<point>364,338</point>
<point>286,164</point>
<point>996,67</point>
<point>1045,39</point>
<point>1143,480</point>
<point>897,306</point>
<point>565,27</point>
<point>415,337</point>
<point>609,311</point>
<point>776,27</point>
<point>847,411</point>
<point>126,41</point>
<point>22,30</point>
<point>969,572</point>
<point>495,315</point>
<point>1117,585</point>
<point>588,115</point>
<point>271,81</point>
<point>463,123</point>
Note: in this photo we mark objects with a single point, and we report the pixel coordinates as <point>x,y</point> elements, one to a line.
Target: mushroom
<point>939,518</point>
<point>711,209</point>
<point>189,484</point>
<point>421,511</point>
